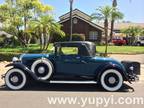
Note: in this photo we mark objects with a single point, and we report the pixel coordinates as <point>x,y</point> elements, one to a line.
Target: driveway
<point>129,57</point>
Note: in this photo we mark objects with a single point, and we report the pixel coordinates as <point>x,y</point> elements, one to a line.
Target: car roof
<point>85,47</point>
<point>74,43</point>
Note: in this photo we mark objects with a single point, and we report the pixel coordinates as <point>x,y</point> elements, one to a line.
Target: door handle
<point>77,57</point>
<point>83,61</point>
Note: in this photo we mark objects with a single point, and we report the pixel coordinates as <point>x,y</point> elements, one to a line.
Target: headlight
<point>131,68</point>
<point>21,56</point>
<point>14,59</point>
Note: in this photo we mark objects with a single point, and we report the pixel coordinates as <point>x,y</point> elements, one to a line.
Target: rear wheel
<point>15,79</point>
<point>111,80</point>
<point>138,44</point>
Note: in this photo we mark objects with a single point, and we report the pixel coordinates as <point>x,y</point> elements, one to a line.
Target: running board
<point>74,82</point>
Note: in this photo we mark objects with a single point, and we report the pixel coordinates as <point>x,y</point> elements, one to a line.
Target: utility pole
<point>71,21</point>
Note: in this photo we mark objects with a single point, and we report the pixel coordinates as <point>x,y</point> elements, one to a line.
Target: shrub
<point>78,37</point>
<point>7,56</point>
<point>75,37</point>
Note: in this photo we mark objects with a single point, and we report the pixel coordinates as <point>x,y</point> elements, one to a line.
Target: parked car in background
<point>119,41</point>
<point>139,41</point>
<point>70,62</point>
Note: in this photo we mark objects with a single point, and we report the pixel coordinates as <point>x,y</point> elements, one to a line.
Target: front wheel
<point>111,80</point>
<point>15,79</point>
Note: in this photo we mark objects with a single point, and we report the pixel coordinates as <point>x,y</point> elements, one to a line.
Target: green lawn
<point>111,49</point>
<point>122,49</point>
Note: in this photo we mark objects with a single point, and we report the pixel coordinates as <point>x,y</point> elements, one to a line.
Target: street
<point>37,95</point>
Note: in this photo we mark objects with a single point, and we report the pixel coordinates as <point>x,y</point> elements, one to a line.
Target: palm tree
<point>115,15</point>
<point>132,32</point>
<point>104,13</point>
<point>44,28</point>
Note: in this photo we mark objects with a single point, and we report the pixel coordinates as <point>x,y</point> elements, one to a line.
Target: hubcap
<point>112,80</point>
<point>41,70</point>
<point>14,79</point>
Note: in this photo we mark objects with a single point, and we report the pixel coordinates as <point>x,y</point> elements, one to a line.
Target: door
<point>69,62</point>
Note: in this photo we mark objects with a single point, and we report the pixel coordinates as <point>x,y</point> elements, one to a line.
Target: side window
<point>142,38</point>
<point>68,51</point>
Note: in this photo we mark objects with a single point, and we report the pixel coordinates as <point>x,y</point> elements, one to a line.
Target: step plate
<point>74,82</point>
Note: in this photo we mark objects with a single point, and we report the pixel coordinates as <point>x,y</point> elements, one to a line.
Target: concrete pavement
<point>37,97</point>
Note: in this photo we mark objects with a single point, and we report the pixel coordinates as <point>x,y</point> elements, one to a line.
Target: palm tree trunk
<point>24,34</point>
<point>112,28</point>
<point>106,35</point>
<point>47,42</point>
<point>114,4</point>
<point>40,41</point>
<point>44,38</point>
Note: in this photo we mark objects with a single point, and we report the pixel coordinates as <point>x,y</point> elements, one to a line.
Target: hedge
<point>7,56</point>
<point>75,37</point>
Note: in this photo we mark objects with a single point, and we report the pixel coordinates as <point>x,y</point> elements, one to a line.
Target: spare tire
<point>42,68</point>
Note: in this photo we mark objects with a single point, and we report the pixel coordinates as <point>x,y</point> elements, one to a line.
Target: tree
<point>115,15</point>
<point>45,26</point>
<point>16,15</point>
<point>104,13</point>
<point>132,32</point>
<point>142,32</point>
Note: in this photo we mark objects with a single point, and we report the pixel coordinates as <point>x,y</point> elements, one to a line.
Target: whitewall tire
<point>15,79</point>
<point>111,80</point>
<point>42,68</point>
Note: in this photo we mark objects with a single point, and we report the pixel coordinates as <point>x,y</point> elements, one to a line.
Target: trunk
<point>106,35</point>
<point>111,32</point>
<point>29,40</point>
<point>39,34</point>
<point>114,4</point>
<point>42,39</point>
<point>40,42</point>
<point>25,24</point>
<point>47,42</point>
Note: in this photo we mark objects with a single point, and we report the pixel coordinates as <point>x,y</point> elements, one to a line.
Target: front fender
<point>110,65</point>
<point>19,65</point>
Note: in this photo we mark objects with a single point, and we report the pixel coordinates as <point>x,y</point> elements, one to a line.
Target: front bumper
<point>132,70</point>
<point>133,78</point>
<point>2,76</point>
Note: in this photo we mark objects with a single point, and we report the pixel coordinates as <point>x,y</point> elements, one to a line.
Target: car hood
<point>105,59</point>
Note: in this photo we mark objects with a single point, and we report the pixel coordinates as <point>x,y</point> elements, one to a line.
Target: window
<point>75,20</point>
<point>93,35</point>
<point>68,50</point>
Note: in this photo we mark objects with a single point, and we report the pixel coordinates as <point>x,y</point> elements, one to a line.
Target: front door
<point>69,62</point>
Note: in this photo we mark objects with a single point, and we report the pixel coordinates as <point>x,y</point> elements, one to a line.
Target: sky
<point>133,10</point>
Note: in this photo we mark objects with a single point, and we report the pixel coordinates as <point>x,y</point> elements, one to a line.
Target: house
<point>82,24</point>
<point>118,27</point>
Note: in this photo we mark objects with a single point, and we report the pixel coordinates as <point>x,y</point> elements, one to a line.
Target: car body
<point>139,41</point>
<point>70,61</point>
<point>118,41</point>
